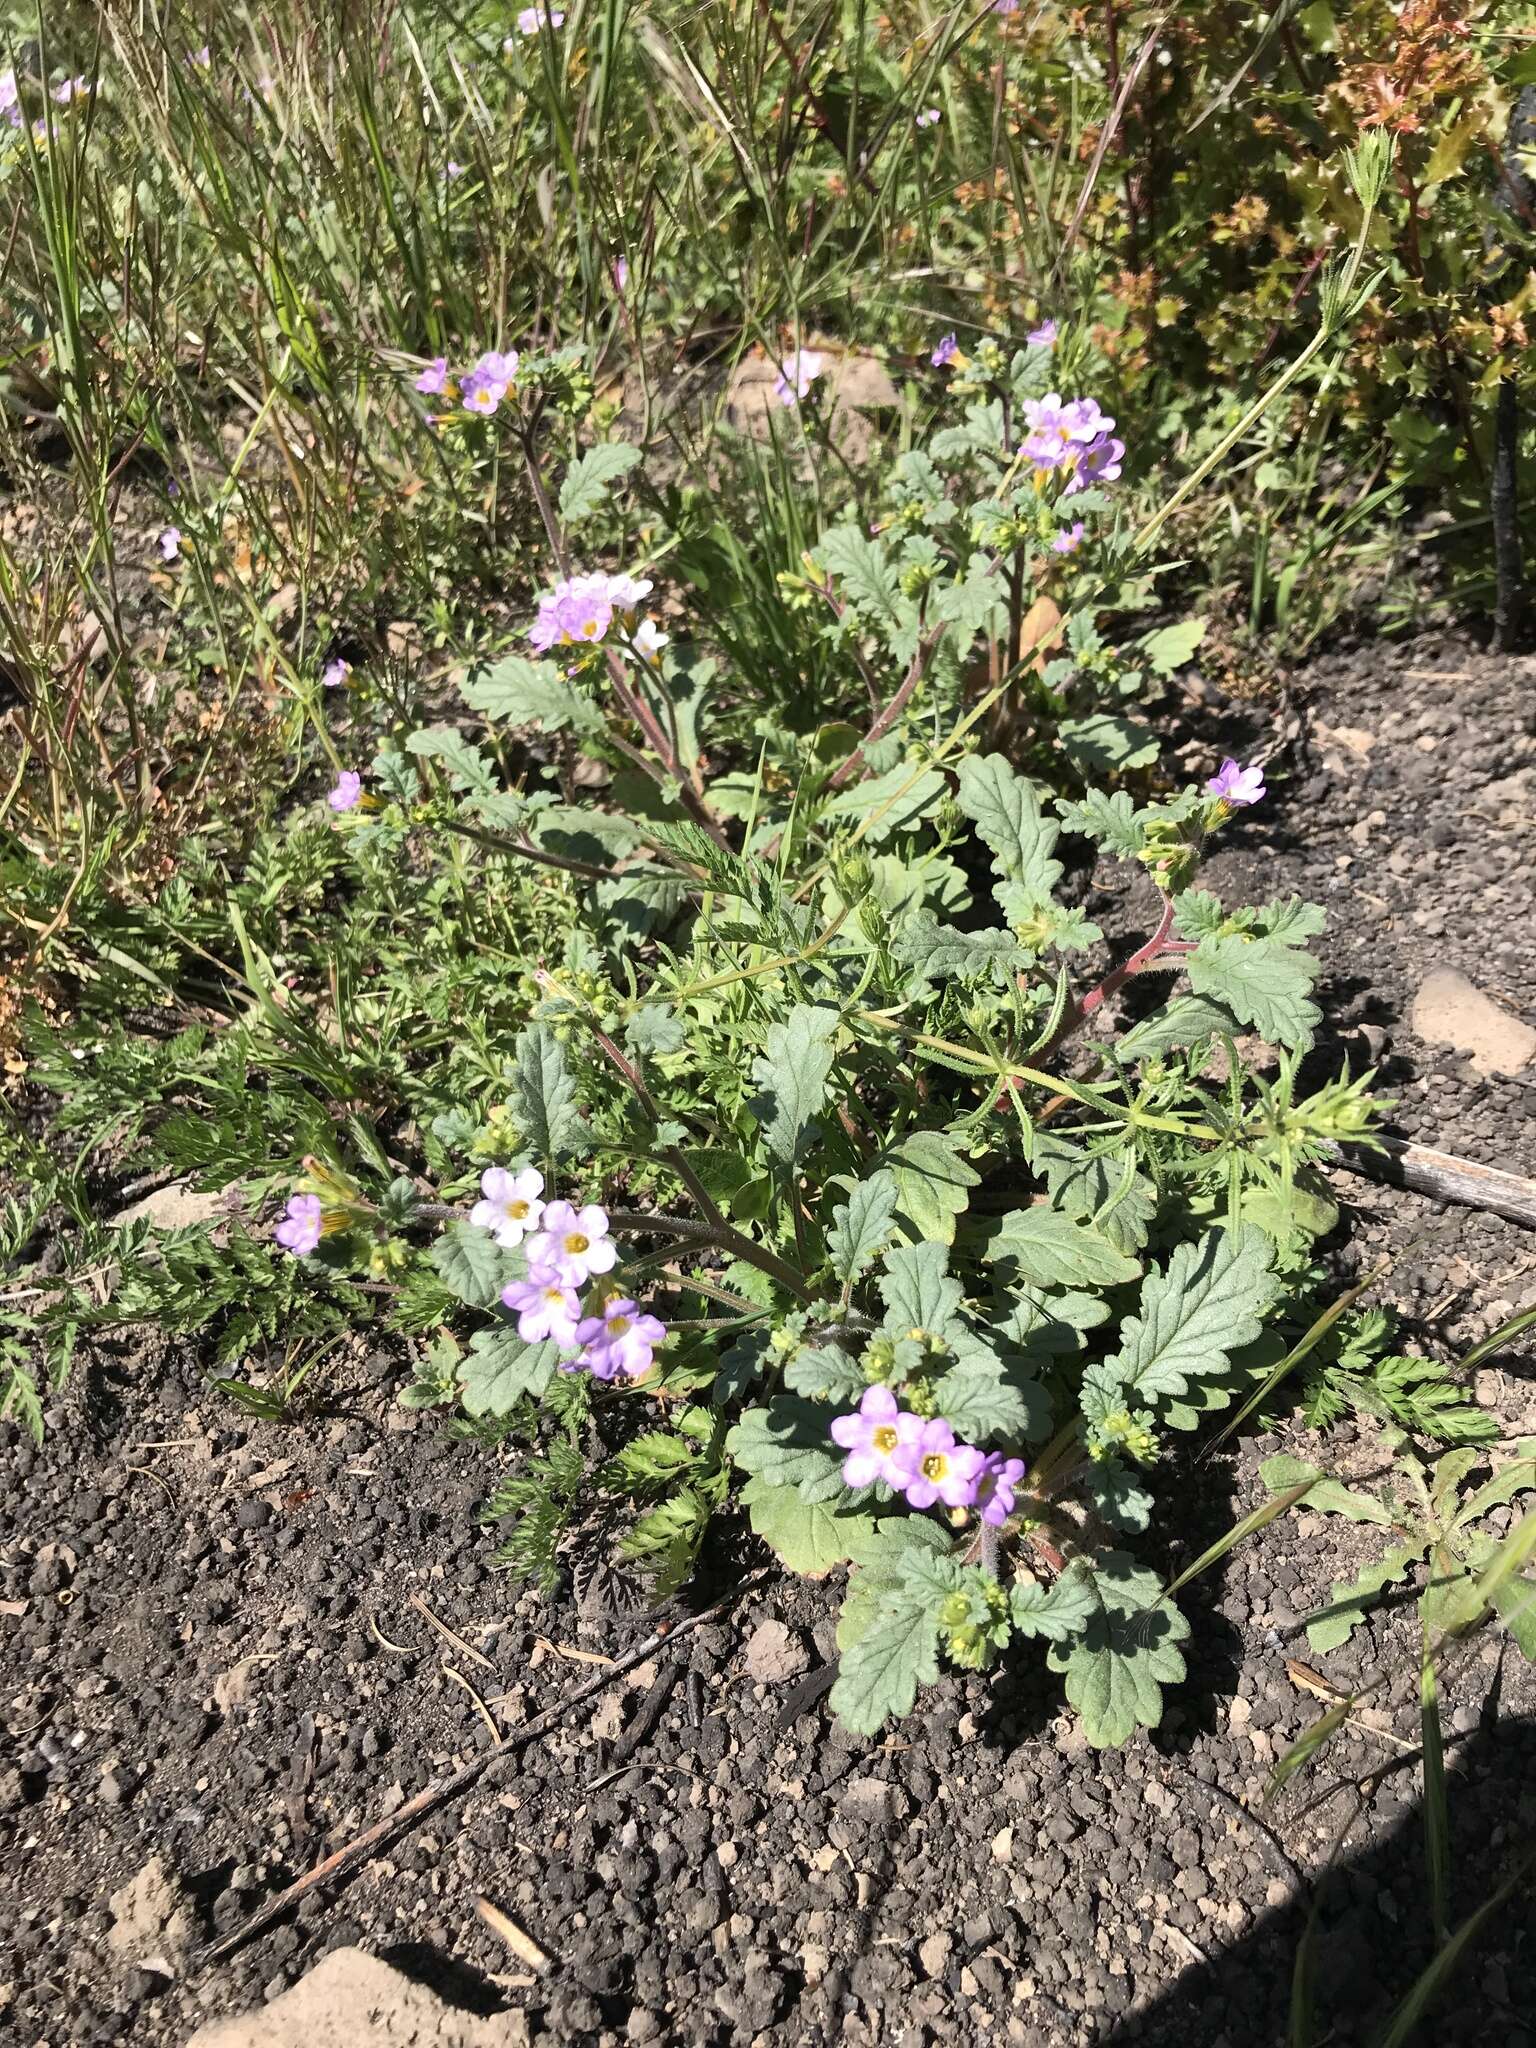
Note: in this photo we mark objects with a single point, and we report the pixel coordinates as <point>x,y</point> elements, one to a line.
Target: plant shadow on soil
<point>1365,1951</point>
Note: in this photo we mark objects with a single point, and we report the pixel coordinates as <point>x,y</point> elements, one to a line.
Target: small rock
<point>934,1954</point>
<point>151,1922</point>
<point>1450,1010</point>
<point>354,2000</point>
<point>775,1654</point>
<point>873,1801</point>
<point>253,1514</point>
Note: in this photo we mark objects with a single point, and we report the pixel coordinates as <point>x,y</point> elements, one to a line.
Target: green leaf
<point>862,1226</point>
<point>1058,1611</point>
<point>971,602</point>
<point>809,1537</point>
<point>933,1182</point>
<point>978,1401</point>
<point>1264,982</point>
<point>1117,1668</point>
<point>521,692</point>
<point>586,481</point>
<point>1106,744</point>
<point>1118,1495</point>
<point>1335,1623</point>
<point>1185,1021</point>
<point>1111,820</point>
<point>546,1095</point>
<point>918,1292</point>
<point>501,1369</point>
<point>895,1653</point>
<point>1006,812</point>
<point>865,572</point>
<point>1053,1251</point>
<point>936,952</point>
<point>787,1443</point>
<point>1206,1304</point>
<point>466,766</point>
<point>880,1561</point>
<point>825,1372</point>
<point>1326,1495</point>
<point>655,1029</point>
<point>472,1266</point>
<point>657,1455</point>
<point>792,1075</point>
<point>910,800</point>
<point>1171,646</point>
<point>1098,1189</point>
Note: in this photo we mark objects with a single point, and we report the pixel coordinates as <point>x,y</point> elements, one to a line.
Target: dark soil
<point>220,1652</point>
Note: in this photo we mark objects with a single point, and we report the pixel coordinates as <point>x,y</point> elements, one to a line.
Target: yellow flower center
<point>885,1439</point>
<point>935,1465</point>
<point>576,1244</point>
<point>618,1326</point>
<point>517,1209</point>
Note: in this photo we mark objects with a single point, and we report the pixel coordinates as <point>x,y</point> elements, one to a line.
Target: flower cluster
<point>1072,437</point>
<point>921,1460</point>
<point>566,1248</point>
<point>579,611</point>
<point>480,388</point>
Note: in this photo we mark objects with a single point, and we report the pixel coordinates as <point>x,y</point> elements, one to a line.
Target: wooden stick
<point>1445,1178</point>
<point>344,1862</point>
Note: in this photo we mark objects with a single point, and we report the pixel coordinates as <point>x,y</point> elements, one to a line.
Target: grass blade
<point>1437,1831</point>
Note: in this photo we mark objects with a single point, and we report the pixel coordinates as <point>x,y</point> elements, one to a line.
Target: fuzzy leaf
<point>522,692</point>
<point>1208,1302</point>
<point>655,1029</point>
<point>1264,982</point>
<point>899,1650</point>
<point>861,1226</point>
<point>937,952</point>
<point>918,1292</point>
<point>933,1182</point>
<point>792,1075</point>
<point>864,570</point>
<point>473,1266</point>
<point>1006,812</point>
<point>787,1443</point>
<point>546,1095</point>
<point>501,1369</point>
<point>1118,1495</point>
<point>1058,1611</point>
<point>979,1401</point>
<point>825,1372</point>
<point>1184,1021</point>
<point>1053,1251</point>
<point>1111,820</point>
<point>1094,1188</point>
<point>808,1537</point>
<point>466,767</point>
<point>1106,744</point>
<point>1326,1496</point>
<point>1117,1668</point>
<point>897,801</point>
<point>1336,1622</point>
<point>586,481</point>
<point>1171,646</point>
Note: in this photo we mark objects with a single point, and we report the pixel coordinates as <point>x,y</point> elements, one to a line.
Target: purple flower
<point>1060,430</point>
<point>572,1244</point>
<point>994,1487</point>
<point>170,544</point>
<point>510,1206</point>
<point>1098,463</point>
<point>433,377</point>
<point>481,393</point>
<point>299,1230</point>
<point>201,58</point>
<point>797,373</point>
<point>1235,784</point>
<point>928,117</point>
<point>1069,540</point>
<point>452,170</point>
<point>335,673</point>
<point>499,366</point>
<point>70,89</point>
<point>873,1437</point>
<point>348,791</point>
<point>619,272</point>
<point>10,98</point>
<point>946,352</point>
<point>546,1307</point>
<point>646,643</point>
<point>1006,6</point>
<point>580,609</point>
<point>532,19</point>
<point>1043,336</point>
<point>934,1467</point>
<point>620,1340</point>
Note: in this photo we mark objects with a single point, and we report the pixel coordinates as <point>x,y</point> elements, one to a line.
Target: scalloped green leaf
<point>810,1537</point>
<point>1117,1667</point>
<point>1006,811</point>
<point>1053,1251</point>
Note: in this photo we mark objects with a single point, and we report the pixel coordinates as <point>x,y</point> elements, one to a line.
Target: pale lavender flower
<point>928,117</point>
<point>546,1308</point>
<point>510,1204</point>
<point>348,791</point>
<point>170,544</point>
<point>71,89</point>
<point>202,58</point>
<point>10,98</point>
<point>620,1340</point>
<point>797,373</point>
<point>500,366</point>
<point>1006,6</point>
<point>299,1230</point>
<point>873,1436</point>
<point>1068,540</point>
<point>1043,336</point>
<point>1235,784</point>
<point>453,169</point>
<point>995,1487</point>
<point>433,378</point>
<point>933,1467</point>
<point>1098,463</point>
<point>572,1244</point>
<point>1059,431</point>
<point>646,642</point>
<point>335,673</point>
<point>619,272</point>
<point>481,393</point>
<point>946,352</point>
<point>532,19</point>
<point>579,609</point>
